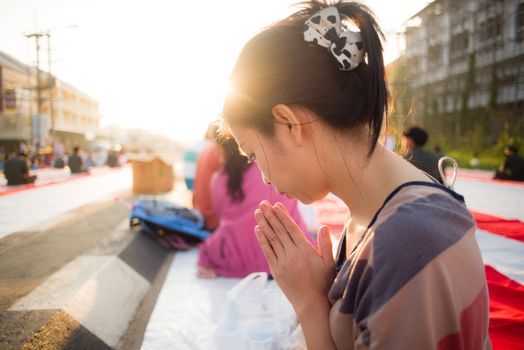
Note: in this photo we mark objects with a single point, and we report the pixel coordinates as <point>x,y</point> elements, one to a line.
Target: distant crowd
<point>17,166</point>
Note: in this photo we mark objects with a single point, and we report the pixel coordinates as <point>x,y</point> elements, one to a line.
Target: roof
<point>431,3</point>
<point>11,62</point>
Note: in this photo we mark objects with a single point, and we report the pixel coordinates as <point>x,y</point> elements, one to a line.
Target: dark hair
<point>513,149</point>
<point>76,149</point>
<point>418,135</point>
<point>235,165</point>
<point>279,66</point>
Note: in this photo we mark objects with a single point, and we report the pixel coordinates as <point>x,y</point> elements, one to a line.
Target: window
<point>490,28</point>
<point>413,65</point>
<point>9,99</point>
<point>459,43</point>
<point>434,54</point>
<point>520,23</point>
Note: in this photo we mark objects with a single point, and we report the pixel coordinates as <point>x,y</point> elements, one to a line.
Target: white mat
<point>187,309</point>
<point>498,199</point>
<point>504,254</point>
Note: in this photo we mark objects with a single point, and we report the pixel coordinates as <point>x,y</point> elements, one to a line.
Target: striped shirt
<point>415,280</point>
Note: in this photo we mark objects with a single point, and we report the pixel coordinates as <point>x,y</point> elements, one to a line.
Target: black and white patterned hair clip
<point>325,29</point>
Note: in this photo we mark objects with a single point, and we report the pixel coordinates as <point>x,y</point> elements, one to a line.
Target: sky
<point>162,65</point>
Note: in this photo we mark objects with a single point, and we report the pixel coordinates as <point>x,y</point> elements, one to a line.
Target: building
<point>462,74</point>
<point>69,116</point>
<point>75,119</point>
<point>16,104</point>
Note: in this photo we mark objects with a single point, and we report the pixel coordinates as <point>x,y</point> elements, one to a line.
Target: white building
<point>464,62</point>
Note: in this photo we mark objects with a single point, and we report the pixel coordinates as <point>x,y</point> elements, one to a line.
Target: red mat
<point>331,213</point>
<point>5,190</point>
<point>506,311</point>
<point>510,228</point>
<point>50,177</point>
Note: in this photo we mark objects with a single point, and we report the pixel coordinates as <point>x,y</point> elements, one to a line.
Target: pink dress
<point>233,250</point>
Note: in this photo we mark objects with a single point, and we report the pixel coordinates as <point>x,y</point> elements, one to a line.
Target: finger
<point>295,232</point>
<point>283,207</point>
<point>267,250</point>
<point>275,223</point>
<point>269,233</point>
<point>325,247</point>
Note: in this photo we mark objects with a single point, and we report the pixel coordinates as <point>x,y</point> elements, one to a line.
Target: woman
<point>232,250</point>
<point>308,102</point>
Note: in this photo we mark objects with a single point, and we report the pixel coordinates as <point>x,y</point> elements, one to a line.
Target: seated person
<point>208,163</point>
<point>76,163</point>
<point>233,250</point>
<point>59,162</point>
<point>112,159</point>
<point>16,171</point>
<point>426,161</point>
<point>513,166</point>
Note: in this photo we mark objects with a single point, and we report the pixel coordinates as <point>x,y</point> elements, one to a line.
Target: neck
<point>364,183</point>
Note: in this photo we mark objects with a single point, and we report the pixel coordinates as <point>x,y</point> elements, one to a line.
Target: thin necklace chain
<point>358,242</point>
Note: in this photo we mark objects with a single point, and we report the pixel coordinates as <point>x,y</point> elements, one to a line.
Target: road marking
<point>102,293</point>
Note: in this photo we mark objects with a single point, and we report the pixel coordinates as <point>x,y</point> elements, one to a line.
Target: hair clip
<point>324,28</point>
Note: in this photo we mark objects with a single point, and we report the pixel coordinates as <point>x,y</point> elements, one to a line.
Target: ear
<point>286,116</point>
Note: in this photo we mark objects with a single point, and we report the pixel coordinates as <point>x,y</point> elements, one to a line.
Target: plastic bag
<point>258,315</point>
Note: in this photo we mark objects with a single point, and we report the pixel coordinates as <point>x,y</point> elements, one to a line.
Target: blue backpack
<point>176,226</point>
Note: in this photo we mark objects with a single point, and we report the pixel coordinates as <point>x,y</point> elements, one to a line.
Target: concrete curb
<point>89,302</point>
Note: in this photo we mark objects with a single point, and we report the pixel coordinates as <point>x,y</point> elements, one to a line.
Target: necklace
<point>361,237</point>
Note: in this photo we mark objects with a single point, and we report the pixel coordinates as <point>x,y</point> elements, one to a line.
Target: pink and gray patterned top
<point>416,280</point>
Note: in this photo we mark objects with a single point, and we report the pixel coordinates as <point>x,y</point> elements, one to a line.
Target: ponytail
<point>235,165</point>
<point>372,37</point>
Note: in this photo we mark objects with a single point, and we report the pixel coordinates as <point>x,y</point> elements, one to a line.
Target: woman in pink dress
<point>233,250</point>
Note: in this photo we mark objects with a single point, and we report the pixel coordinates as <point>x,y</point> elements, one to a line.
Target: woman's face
<point>292,170</point>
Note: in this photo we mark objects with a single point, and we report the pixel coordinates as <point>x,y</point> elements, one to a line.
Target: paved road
<point>27,258</point>
<point>51,230</point>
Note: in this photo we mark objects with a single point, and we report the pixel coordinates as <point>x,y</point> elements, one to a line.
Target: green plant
<point>486,160</point>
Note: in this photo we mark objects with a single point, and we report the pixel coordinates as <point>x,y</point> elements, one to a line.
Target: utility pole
<point>37,37</point>
<point>50,79</point>
<point>50,85</point>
